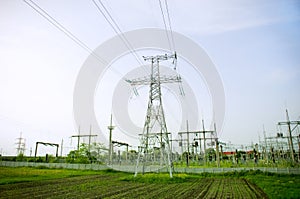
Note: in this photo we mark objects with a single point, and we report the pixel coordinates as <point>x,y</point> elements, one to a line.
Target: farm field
<point>58,183</point>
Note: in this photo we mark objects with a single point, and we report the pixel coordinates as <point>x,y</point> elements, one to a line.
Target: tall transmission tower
<point>20,145</point>
<point>155,133</point>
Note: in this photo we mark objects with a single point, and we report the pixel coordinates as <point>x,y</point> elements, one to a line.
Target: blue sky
<point>254,44</point>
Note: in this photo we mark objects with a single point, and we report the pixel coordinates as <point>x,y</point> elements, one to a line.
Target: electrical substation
<point>150,99</point>
<point>157,148</point>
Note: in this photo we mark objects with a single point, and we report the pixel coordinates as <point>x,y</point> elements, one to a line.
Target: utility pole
<point>204,142</point>
<point>290,130</point>
<point>181,146</point>
<point>188,142</point>
<point>217,146</point>
<point>89,148</point>
<point>266,145</point>
<point>110,147</point>
<point>78,136</point>
<point>221,146</point>
<point>298,147</point>
<point>61,147</point>
<point>155,117</point>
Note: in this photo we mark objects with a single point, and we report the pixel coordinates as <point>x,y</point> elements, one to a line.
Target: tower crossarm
<point>170,79</point>
<point>195,132</point>
<point>160,57</point>
<point>148,80</point>
<point>120,143</point>
<point>296,123</point>
<point>291,122</point>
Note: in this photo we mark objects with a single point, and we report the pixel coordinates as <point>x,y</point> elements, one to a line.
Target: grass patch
<point>10,175</point>
<point>277,185</point>
<point>158,178</point>
<point>241,164</point>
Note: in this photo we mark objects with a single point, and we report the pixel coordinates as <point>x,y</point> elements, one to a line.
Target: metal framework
<point>46,144</point>
<point>155,128</point>
<point>119,144</point>
<point>80,136</point>
<point>290,130</point>
<point>213,138</point>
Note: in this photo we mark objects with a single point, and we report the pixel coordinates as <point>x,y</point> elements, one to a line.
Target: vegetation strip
<point>58,183</point>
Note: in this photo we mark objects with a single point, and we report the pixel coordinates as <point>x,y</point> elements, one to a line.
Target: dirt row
<point>110,186</point>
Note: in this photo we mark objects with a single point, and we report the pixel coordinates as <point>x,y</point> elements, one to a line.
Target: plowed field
<point>111,186</point>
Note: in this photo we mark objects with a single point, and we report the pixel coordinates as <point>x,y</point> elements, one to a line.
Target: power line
<point>171,44</point>
<point>68,33</point>
<point>110,20</point>
<point>170,26</point>
<point>165,24</point>
<point>108,17</point>
<point>116,28</point>
<point>54,22</point>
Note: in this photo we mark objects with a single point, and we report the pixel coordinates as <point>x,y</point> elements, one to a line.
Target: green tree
<point>86,154</point>
<point>20,157</point>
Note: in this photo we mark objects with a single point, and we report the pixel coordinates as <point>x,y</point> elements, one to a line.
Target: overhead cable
<point>68,33</point>
<point>110,20</point>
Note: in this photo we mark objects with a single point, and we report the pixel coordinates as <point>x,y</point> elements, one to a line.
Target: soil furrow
<point>110,186</point>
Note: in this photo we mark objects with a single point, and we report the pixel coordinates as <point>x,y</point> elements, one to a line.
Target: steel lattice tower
<point>155,128</point>
<point>20,145</point>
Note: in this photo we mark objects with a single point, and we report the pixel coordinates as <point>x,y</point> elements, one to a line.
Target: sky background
<point>254,44</point>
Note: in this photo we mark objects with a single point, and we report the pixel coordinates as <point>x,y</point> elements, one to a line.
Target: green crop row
<point>274,185</point>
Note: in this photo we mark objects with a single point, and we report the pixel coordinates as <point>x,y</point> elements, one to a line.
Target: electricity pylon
<point>155,131</point>
<point>20,145</point>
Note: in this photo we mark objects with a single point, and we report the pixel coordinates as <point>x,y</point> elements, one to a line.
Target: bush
<point>20,157</point>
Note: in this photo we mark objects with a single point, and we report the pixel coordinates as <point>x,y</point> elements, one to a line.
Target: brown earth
<point>110,186</point>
